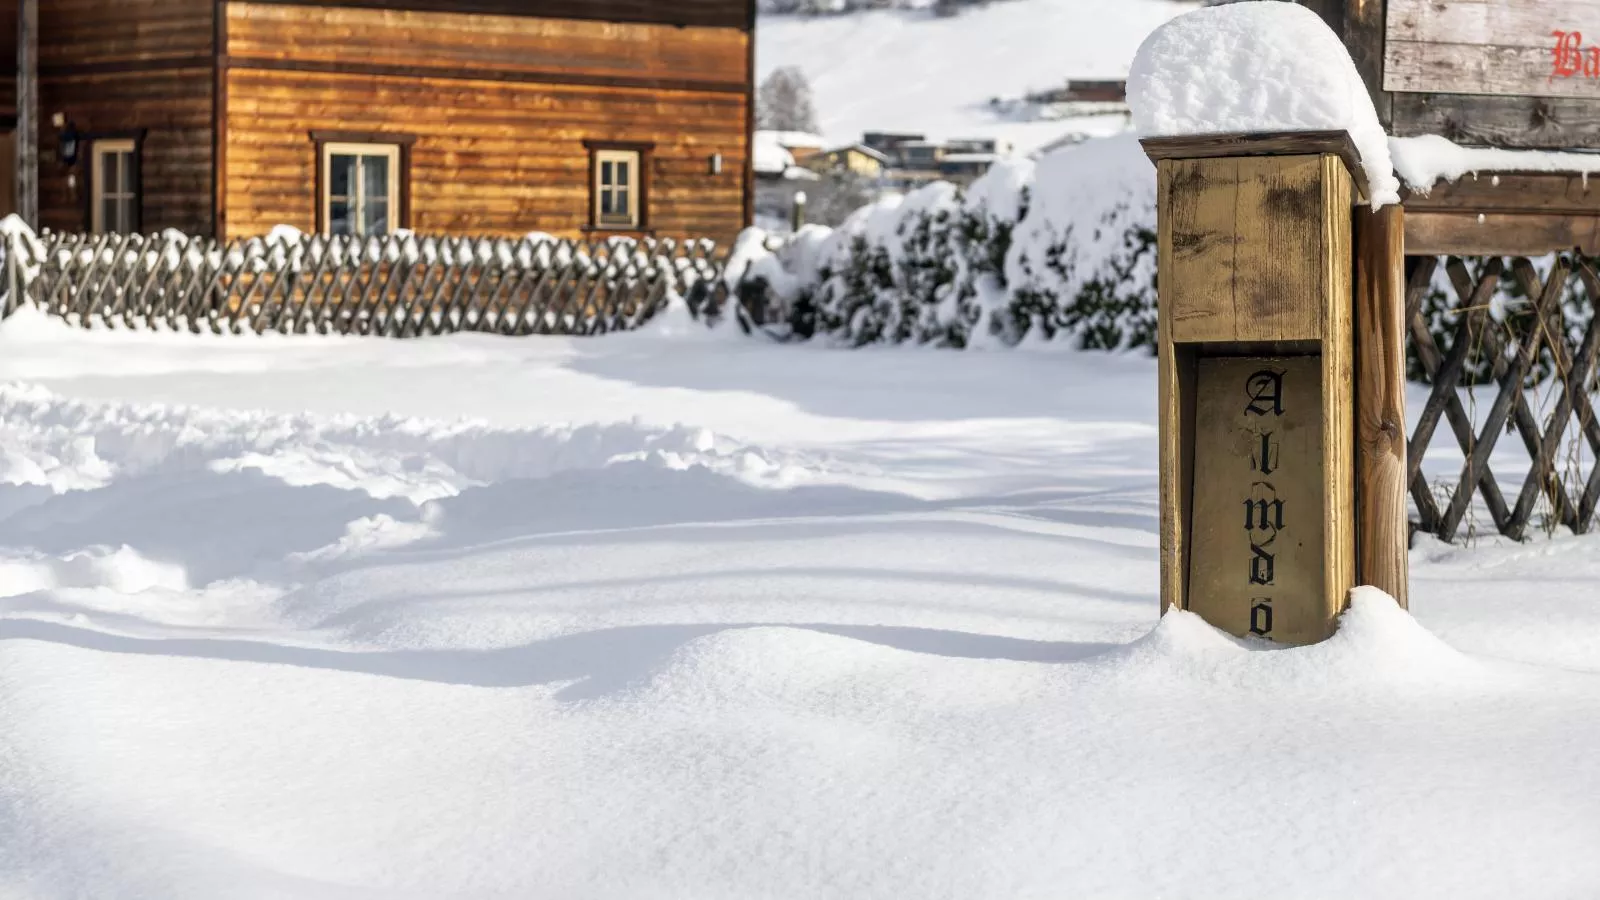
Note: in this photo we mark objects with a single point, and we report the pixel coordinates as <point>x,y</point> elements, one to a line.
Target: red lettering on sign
<point>1568,59</point>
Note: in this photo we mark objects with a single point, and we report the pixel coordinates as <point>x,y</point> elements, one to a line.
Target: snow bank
<point>1377,646</point>
<point>1426,160</point>
<point>61,445</point>
<point>1257,66</point>
<point>626,679</point>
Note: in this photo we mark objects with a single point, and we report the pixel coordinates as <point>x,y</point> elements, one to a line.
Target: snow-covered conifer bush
<point>1083,260</point>
<point>1064,247</point>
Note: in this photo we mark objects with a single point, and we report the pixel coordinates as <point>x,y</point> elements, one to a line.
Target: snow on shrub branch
<point>1028,252</point>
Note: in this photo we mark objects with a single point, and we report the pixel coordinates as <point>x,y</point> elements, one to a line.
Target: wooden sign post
<point>1257,380</point>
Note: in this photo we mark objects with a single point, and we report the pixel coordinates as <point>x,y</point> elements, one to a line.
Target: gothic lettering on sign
<point>1570,59</point>
<point>1257,572</point>
<point>1263,510</point>
<point>1261,616</point>
<point>1262,564</point>
<point>1265,390</point>
<point>1264,458</point>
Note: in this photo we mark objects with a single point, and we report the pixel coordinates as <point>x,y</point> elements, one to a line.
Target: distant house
<point>1080,99</point>
<point>919,156</point>
<point>964,168</point>
<point>228,117</point>
<point>776,155</point>
<point>977,145</point>
<point>801,145</point>
<point>857,159</point>
<point>886,142</point>
<point>1086,92</point>
<point>915,163</point>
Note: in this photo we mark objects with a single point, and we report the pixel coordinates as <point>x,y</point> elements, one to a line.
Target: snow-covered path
<point>710,618</point>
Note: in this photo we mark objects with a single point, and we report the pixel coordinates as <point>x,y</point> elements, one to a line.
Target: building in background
<point>229,117</point>
<point>778,155</point>
<point>855,159</point>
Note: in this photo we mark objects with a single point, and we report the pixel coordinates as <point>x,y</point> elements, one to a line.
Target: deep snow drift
<point>715,618</point>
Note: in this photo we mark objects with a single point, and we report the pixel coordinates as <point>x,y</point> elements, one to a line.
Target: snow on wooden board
<point>1534,48</point>
<point>683,620</point>
<point>1257,67</point>
<point>1426,160</point>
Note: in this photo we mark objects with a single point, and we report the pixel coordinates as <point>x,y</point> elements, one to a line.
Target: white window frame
<point>127,151</point>
<point>358,184</point>
<point>634,187</point>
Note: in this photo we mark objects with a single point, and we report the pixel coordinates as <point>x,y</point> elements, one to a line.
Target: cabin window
<point>617,187</point>
<point>361,188</point>
<point>115,187</point>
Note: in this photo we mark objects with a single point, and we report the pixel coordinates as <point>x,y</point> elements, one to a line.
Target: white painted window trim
<point>635,161</point>
<point>126,151</point>
<point>358,185</point>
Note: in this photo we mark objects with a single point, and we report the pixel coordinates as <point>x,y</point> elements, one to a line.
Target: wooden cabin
<point>228,117</point>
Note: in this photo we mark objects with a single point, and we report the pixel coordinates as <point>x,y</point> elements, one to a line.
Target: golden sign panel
<point>1256,553</point>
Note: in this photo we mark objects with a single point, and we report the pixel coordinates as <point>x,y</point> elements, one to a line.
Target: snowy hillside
<point>911,70</point>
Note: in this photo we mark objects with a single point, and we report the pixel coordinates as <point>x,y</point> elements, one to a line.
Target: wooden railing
<point>1525,342</point>
<point>397,286</point>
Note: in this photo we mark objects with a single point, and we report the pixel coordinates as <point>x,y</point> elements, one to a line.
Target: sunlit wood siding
<point>694,13</point>
<point>495,109</point>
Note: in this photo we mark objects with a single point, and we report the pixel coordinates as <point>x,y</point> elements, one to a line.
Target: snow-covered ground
<point>937,75</point>
<point>701,617</point>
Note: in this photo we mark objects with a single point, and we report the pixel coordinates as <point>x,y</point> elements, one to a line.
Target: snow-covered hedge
<point>1064,248</point>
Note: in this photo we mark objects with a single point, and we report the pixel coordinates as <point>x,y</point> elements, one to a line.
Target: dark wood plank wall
<point>500,108</point>
<point>8,59</point>
<point>117,67</point>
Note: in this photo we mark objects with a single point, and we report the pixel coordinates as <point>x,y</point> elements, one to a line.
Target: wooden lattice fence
<point>397,285</point>
<point>1524,338</point>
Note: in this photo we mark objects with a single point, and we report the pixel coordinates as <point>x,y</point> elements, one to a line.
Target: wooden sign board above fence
<point>1521,48</point>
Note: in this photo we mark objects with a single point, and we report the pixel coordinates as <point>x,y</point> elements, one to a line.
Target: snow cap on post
<point>1257,67</point>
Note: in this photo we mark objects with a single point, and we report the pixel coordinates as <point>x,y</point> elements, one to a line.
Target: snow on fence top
<point>1253,67</point>
<point>1426,160</point>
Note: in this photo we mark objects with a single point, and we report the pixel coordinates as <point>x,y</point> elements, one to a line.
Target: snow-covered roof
<point>1257,67</point>
<point>970,157</point>
<point>1426,160</point>
<point>862,149</point>
<point>768,156</point>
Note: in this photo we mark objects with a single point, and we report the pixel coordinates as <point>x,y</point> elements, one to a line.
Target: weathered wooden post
<point>1258,476</point>
<point>1382,519</point>
<point>27,132</point>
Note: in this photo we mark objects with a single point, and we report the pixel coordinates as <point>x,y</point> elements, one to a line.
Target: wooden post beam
<point>1382,539</point>
<point>1255,379</point>
<point>27,134</point>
